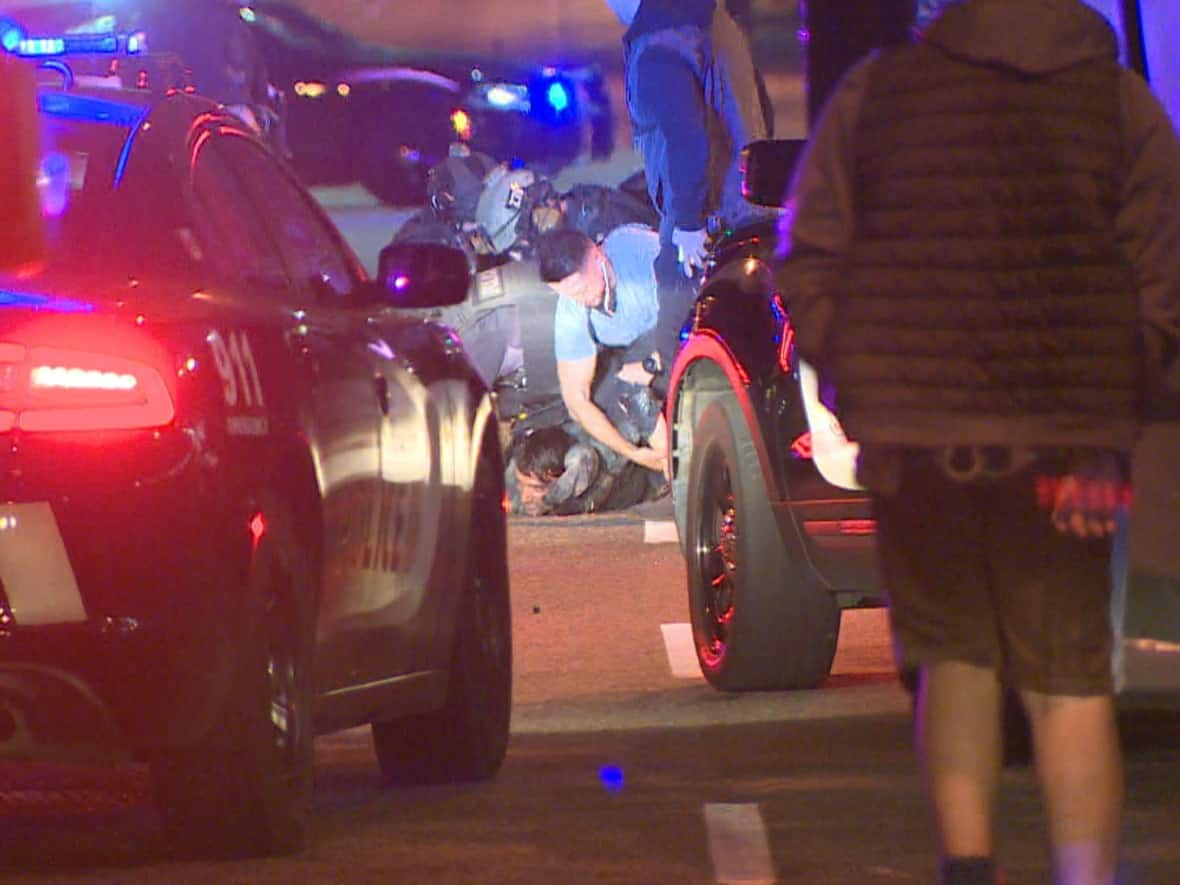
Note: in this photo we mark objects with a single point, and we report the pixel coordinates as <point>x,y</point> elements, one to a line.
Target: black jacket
<point>922,370</point>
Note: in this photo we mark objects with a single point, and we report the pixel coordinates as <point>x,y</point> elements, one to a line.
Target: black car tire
<point>467,737</point>
<point>757,621</point>
<point>244,790</point>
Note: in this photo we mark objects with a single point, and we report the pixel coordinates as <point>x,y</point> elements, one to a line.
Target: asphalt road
<point>624,767</point>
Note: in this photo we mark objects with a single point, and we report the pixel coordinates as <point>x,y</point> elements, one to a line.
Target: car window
<point>311,247</point>
<point>232,239</point>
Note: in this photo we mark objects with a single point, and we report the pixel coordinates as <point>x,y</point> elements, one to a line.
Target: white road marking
<point>682,651</point>
<point>661,531</point>
<point>738,844</point>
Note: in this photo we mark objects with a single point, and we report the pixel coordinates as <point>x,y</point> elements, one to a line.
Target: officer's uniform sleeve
<point>820,218</point>
<point>1148,224</point>
<point>668,88</point>
<point>571,332</point>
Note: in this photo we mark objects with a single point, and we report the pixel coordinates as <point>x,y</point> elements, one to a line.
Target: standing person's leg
<point>1054,601</point>
<point>932,549</point>
<point>959,747</point>
<point>1079,766</point>
<point>676,294</point>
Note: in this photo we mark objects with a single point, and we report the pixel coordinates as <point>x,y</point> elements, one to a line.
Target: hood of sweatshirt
<point>1031,36</point>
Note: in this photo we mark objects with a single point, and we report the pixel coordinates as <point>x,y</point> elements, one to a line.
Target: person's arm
<point>820,218</point>
<point>1148,225</point>
<point>575,378</point>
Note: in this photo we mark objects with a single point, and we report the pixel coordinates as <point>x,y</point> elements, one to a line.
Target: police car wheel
<point>244,789</point>
<point>758,623</point>
<point>467,737</point>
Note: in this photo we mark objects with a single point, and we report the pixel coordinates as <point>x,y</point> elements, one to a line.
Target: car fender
<point>730,348</point>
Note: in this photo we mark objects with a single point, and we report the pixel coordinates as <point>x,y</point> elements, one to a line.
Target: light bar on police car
<point>80,44</point>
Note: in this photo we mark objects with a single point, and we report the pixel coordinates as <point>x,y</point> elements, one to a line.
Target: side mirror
<point>767,169</point>
<point>22,238</point>
<point>419,275</point>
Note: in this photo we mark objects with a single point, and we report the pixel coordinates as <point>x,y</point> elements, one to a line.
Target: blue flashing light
<point>10,36</point>
<point>35,46</point>
<point>612,778</point>
<point>78,44</point>
<point>50,303</point>
<point>125,153</point>
<point>96,110</point>
<point>558,96</point>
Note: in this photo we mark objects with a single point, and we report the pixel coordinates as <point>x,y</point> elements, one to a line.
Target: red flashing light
<point>257,529</point>
<point>50,388</point>
<point>840,527</point>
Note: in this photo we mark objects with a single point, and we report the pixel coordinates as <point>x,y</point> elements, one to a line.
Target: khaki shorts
<point>975,572</point>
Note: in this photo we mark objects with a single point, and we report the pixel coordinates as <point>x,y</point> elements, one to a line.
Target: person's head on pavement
<point>539,460</point>
<point>551,468</point>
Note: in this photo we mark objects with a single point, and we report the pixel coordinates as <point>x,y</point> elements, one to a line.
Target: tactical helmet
<point>501,203</point>
<point>455,183</point>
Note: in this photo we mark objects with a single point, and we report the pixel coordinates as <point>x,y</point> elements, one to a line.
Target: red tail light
<point>48,388</point>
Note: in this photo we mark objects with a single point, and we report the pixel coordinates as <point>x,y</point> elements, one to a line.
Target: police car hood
<point>1030,36</point>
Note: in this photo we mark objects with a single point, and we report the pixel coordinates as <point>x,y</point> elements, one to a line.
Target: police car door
<point>372,612</point>
<point>335,398</point>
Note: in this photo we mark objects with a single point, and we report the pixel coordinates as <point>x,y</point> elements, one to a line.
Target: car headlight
<point>503,96</point>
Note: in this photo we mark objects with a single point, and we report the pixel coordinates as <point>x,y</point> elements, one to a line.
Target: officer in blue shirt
<point>608,299</point>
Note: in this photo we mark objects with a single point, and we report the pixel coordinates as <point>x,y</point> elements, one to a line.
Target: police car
<point>246,499</point>
<point>778,537</point>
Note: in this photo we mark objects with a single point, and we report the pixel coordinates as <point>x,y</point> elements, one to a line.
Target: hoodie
<point>1035,38</point>
<point>1031,36</point>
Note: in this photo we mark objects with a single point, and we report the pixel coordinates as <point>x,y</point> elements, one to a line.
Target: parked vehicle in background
<point>249,495</point>
<point>384,115</point>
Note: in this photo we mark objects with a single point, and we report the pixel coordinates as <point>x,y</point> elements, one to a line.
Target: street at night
<point>305,532</point>
<point>618,769</point>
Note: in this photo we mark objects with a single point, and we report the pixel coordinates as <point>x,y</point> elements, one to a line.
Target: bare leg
<point>1079,765</point>
<point>958,742</point>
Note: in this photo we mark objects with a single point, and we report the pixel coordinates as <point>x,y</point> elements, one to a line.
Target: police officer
<point>693,97</point>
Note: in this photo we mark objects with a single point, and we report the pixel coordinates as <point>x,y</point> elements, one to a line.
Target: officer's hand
<point>651,459</point>
<point>690,249</point>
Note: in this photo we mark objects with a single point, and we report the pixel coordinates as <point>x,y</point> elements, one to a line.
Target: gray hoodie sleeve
<point>1148,224</point>
<point>820,218</point>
